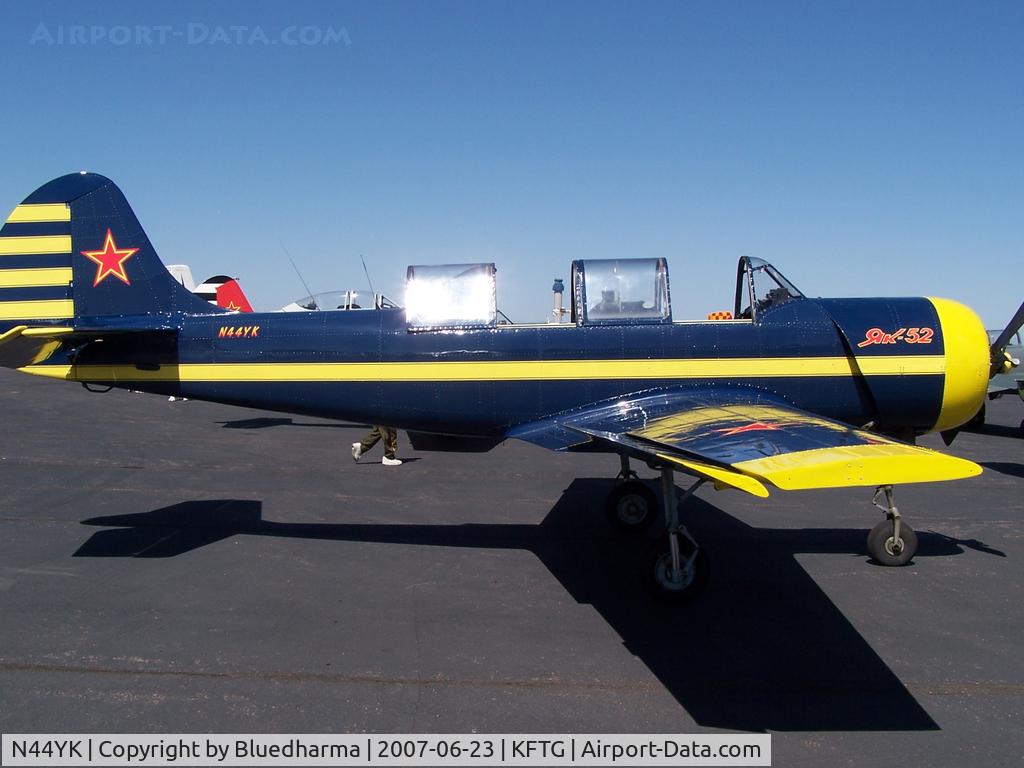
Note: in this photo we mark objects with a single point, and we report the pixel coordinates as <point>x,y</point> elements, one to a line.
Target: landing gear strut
<point>626,473</point>
<point>892,542</point>
<point>631,505</point>
<point>678,573</point>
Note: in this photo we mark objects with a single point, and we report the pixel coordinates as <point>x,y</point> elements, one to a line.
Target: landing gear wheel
<point>692,577</point>
<point>631,506</point>
<point>887,551</point>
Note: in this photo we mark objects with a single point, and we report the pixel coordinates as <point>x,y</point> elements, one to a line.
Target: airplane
<point>784,391</point>
<point>219,290</point>
<point>225,292</point>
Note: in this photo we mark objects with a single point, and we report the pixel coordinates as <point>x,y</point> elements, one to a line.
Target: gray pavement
<point>191,567</point>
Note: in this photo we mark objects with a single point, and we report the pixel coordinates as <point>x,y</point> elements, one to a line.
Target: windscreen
<point>760,286</point>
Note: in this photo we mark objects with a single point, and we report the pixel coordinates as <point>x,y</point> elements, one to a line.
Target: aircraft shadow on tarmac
<point>763,648</point>
<point>1005,467</point>
<point>265,422</point>
<point>998,430</point>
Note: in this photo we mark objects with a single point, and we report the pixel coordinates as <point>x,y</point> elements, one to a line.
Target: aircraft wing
<point>745,440</point>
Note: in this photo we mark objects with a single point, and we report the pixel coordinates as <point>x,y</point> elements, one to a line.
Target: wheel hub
<point>675,580</point>
<point>632,508</point>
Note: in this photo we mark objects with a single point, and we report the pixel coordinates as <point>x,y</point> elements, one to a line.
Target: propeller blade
<point>999,345</point>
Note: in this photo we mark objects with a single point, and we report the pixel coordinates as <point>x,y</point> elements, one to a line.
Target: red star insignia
<point>755,426</point>
<point>110,260</point>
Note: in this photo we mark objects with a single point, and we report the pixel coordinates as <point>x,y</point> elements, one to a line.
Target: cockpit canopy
<point>450,296</point>
<point>616,291</point>
<point>604,292</point>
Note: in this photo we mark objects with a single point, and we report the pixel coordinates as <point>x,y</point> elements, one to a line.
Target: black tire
<point>884,551</point>
<point>658,570</point>
<point>631,506</point>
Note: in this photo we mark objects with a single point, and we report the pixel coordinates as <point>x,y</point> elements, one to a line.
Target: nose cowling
<point>966,363</point>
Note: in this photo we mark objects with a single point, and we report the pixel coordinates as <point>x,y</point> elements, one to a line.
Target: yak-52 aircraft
<point>784,391</point>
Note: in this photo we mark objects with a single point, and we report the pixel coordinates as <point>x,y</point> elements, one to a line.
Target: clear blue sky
<point>864,148</point>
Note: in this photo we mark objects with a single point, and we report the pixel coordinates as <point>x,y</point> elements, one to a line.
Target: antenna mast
<point>368,280</point>
<point>302,280</point>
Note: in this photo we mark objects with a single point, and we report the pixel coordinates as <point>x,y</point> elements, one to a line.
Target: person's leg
<point>390,441</point>
<point>371,439</point>
<point>358,449</point>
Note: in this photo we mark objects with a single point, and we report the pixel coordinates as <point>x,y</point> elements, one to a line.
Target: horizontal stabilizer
<point>23,346</point>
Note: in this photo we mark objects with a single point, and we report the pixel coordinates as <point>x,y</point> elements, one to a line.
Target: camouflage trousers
<point>387,434</point>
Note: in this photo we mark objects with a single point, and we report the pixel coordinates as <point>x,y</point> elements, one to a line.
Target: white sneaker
<point>390,462</point>
<point>357,451</point>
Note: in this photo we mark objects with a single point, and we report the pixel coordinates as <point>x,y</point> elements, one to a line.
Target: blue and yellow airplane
<point>784,391</point>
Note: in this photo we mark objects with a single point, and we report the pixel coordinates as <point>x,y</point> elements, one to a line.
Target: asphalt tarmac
<point>191,567</point>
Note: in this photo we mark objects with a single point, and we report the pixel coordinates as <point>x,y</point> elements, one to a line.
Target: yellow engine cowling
<point>967,363</point>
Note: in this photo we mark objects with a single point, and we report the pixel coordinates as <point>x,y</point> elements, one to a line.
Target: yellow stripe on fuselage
<point>35,278</point>
<point>40,212</point>
<point>508,370</point>
<point>18,246</point>
<point>55,309</point>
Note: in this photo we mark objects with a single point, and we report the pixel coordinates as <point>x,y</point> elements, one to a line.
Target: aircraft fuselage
<point>884,361</point>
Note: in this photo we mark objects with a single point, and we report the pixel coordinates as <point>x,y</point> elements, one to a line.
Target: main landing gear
<point>891,542</point>
<point>631,505</point>
<point>678,571</point>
